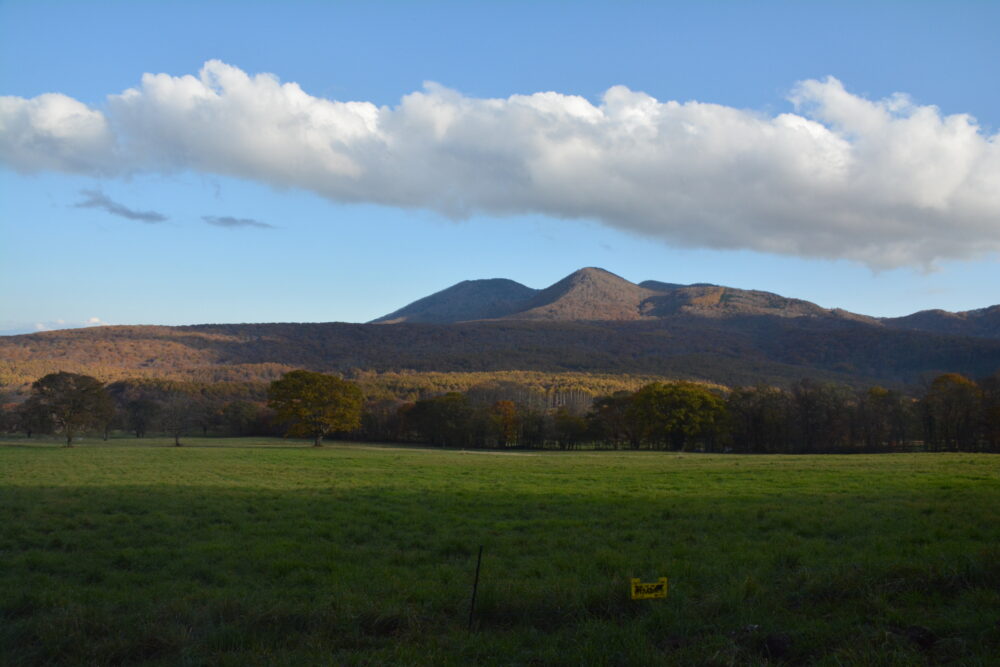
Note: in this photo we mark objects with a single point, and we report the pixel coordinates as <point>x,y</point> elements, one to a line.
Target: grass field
<point>268,552</point>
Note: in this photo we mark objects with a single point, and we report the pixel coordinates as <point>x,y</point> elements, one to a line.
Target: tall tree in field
<point>140,414</point>
<point>71,401</point>
<point>178,415</point>
<point>315,404</point>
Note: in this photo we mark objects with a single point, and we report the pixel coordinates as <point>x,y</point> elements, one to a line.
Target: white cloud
<point>65,324</point>
<point>885,182</point>
<point>9,328</point>
<point>55,132</point>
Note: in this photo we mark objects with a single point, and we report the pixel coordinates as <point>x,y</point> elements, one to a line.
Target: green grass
<point>272,552</point>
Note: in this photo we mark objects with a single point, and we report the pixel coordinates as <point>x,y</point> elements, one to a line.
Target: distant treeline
<point>952,413</point>
<point>536,411</point>
<point>238,382</point>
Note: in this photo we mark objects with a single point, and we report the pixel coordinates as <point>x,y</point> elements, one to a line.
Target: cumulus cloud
<point>55,132</point>
<point>886,182</point>
<point>229,221</point>
<point>97,199</point>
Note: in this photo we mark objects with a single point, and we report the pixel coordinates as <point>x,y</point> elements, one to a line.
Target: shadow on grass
<point>127,574</point>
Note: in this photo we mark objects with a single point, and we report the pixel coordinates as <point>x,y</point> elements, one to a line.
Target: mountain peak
<point>588,294</point>
<point>593,273</point>
<point>593,293</point>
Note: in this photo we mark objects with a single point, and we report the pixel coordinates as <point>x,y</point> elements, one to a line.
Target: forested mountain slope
<point>982,322</point>
<point>592,321</point>
<point>743,349</point>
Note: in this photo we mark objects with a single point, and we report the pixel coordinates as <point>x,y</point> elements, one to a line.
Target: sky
<point>209,162</point>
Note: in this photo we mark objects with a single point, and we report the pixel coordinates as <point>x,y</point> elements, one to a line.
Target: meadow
<point>271,552</point>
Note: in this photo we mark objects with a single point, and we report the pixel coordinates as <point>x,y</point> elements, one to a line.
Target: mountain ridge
<point>594,294</point>
<point>591,321</point>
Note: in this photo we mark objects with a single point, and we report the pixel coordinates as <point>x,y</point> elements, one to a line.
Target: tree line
<point>949,413</point>
<point>71,404</point>
<point>952,413</point>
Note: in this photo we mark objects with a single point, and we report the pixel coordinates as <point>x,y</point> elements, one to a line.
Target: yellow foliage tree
<point>315,404</point>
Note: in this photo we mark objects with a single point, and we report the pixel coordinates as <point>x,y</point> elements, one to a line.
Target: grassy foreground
<point>257,552</point>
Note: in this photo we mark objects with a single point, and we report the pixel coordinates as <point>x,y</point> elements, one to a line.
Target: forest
<point>525,410</point>
<point>732,351</point>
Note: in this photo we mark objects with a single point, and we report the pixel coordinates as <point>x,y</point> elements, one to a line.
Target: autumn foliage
<point>314,404</point>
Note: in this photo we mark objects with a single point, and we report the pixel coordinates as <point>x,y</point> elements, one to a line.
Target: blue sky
<point>833,191</point>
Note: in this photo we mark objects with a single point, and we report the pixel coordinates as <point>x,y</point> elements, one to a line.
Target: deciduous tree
<point>678,413</point>
<point>71,401</point>
<point>140,415</point>
<point>610,420</point>
<point>178,415</point>
<point>315,404</point>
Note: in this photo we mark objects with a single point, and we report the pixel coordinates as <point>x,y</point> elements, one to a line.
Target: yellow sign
<point>647,591</point>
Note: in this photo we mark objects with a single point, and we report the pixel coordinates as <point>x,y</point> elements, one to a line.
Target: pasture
<point>270,552</point>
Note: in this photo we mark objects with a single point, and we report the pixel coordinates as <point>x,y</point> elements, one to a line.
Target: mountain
<point>983,322</point>
<point>593,294</point>
<point>587,294</point>
<point>717,301</point>
<point>735,350</point>
<point>591,321</point>
<point>468,300</point>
